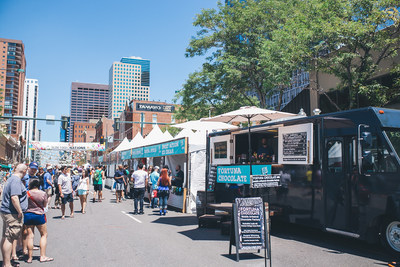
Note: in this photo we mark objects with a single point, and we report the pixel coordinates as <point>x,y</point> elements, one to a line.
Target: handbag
<point>37,204</point>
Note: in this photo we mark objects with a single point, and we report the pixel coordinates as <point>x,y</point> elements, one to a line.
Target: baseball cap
<point>156,167</point>
<point>33,165</point>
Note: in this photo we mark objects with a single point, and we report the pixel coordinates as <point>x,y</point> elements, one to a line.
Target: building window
<point>154,119</point>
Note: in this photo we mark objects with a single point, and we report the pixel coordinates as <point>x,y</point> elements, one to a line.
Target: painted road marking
<point>131,216</point>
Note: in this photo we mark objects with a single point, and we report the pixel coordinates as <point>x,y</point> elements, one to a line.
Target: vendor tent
<point>123,146</point>
<point>137,141</point>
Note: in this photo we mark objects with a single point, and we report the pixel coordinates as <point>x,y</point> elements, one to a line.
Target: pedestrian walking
<point>57,199</point>
<point>164,183</point>
<point>154,176</point>
<point>119,183</point>
<point>140,179</point>
<point>83,190</point>
<point>98,177</point>
<point>35,217</point>
<point>75,177</point>
<point>148,186</point>
<point>126,180</point>
<point>14,204</point>
<point>48,183</point>
<point>65,187</point>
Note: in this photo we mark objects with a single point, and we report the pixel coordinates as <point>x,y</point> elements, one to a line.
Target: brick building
<point>104,127</point>
<point>84,132</point>
<point>12,77</point>
<point>144,115</point>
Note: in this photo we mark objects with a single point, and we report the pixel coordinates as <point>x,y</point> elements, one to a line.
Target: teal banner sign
<point>126,154</point>
<point>173,147</point>
<point>101,159</point>
<point>137,153</point>
<point>151,151</point>
<point>160,150</point>
<point>240,174</point>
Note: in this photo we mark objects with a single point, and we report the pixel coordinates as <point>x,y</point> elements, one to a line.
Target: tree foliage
<point>253,47</point>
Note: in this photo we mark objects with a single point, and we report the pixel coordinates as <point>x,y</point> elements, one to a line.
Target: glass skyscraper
<point>129,79</point>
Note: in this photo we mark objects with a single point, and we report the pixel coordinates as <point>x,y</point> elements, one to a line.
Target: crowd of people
<point>28,190</point>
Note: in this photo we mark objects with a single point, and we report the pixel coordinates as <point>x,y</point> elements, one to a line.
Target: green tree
<point>243,57</point>
<point>356,36</point>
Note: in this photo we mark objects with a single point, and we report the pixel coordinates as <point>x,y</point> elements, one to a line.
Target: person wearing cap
<point>48,182</point>
<point>31,174</point>
<point>154,176</point>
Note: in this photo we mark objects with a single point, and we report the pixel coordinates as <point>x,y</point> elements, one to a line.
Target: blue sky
<point>77,41</point>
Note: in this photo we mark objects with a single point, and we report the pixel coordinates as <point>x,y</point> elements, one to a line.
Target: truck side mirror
<point>366,139</point>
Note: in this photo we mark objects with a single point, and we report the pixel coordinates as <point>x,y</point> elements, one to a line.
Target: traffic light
<point>116,124</point>
<point>64,123</point>
<point>102,140</point>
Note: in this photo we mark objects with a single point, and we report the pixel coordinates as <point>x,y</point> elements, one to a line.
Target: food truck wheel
<point>390,235</point>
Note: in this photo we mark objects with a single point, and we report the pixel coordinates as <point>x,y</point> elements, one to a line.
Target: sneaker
<point>161,213</point>
<point>135,213</point>
<point>141,212</point>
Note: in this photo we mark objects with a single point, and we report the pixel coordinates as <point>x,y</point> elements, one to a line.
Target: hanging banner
<point>295,144</point>
<point>160,150</point>
<point>62,146</point>
<point>126,154</point>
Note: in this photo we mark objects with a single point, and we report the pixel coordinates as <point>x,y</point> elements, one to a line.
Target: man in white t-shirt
<point>140,179</point>
<point>65,187</point>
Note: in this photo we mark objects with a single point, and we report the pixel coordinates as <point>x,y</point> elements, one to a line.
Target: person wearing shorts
<point>98,177</point>
<point>119,183</point>
<point>35,217</point>
<point>83,190</point>
<point>65,187</point>
<point>14,204</point>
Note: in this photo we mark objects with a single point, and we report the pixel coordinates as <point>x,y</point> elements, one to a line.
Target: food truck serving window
<point>221,150</point>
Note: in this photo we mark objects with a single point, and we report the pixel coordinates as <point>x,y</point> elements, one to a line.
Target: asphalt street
<point>110,235</point>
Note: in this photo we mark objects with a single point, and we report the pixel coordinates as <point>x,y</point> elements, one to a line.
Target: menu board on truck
<point>295,144</point>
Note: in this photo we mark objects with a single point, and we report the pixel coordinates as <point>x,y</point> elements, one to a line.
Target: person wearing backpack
<point>98,183</point>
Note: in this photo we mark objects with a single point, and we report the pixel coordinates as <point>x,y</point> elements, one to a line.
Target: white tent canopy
<point>154,137</point>
<point>123,146</point>
<point>137,141</point>
<point>167,135</point>
<point>205,125</point>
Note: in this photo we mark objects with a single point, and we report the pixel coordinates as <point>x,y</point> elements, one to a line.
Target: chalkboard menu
<point>263,181</point>
<point>249,223</point>
<point>212,177</point>
<point>295,144</point>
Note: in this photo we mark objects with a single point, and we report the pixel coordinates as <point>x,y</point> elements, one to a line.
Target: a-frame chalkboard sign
<point>250,230</point>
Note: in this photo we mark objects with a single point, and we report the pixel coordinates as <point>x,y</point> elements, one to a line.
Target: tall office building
<point>12,77</point>
<point>30,105</point>
<point>88,101</point>
<point>129,79</point>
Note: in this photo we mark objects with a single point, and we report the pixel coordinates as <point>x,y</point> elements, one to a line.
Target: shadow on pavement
<point>244,256</point>
<point>205,234</point>
<point>330,243</point>
<point>177,221</point>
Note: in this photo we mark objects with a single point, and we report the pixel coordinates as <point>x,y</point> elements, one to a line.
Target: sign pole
<point>235,213</point>
<point>266,234</point>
